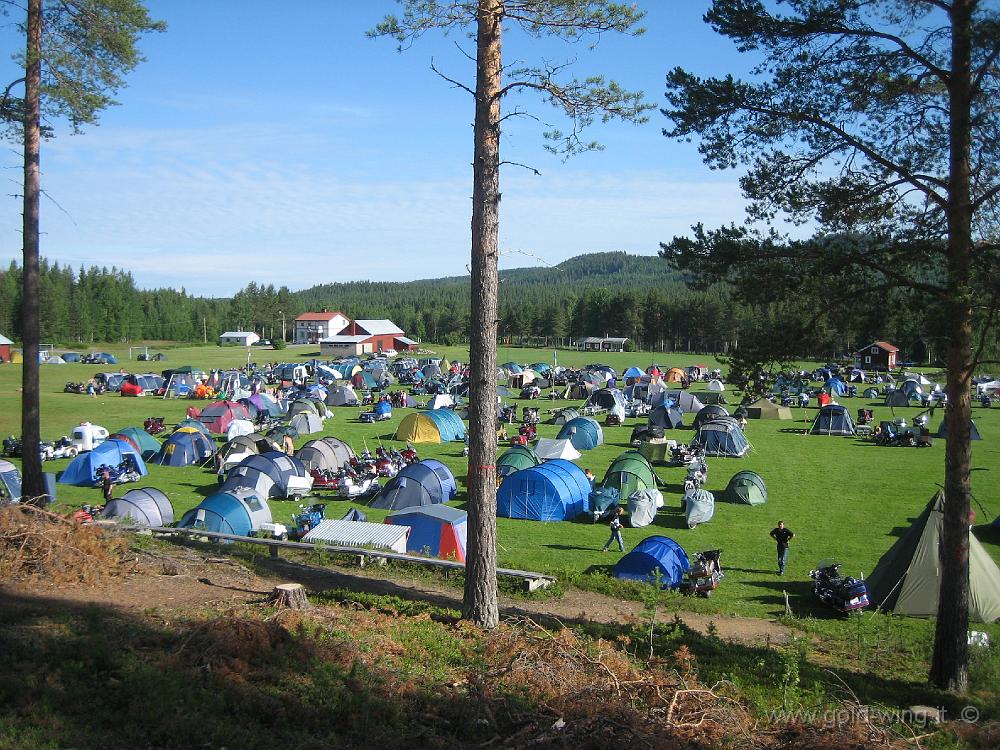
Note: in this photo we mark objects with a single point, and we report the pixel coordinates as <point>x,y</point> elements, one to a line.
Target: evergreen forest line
<point>597,294</point>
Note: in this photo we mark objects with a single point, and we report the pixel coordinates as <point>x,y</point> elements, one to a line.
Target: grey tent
<point>973,431</point>
<point>699,507</point>
<point>722,436</point>
<point>668,419</point>
<point>324,454</point>
<point>306,423</point>
<point>565,415</point>
<point>907,577</point>
<point>642,505</point>
<point>833,419</point>
<point>707,413</point>
<point>746,487</point>
<point>144,506</point>
<point>897,398</point>
<point>10,481</point>
<point>341,395</point>
<point>686,401</point>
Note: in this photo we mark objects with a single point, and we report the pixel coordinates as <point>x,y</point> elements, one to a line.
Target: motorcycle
<point>123,473</point>
<point>72,387</point>
<point>12,446</point>
<point>386,462</point>
<point>845,594</point>
<point>153,425</point>
<point>409,454</point>
<point>357,486</point>
<point>309,518</point>
<point>704,575</point>
<point>87,513</point>
<point>61,448</point>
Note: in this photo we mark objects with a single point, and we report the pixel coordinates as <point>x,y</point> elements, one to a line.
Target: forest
<point>613,293</point>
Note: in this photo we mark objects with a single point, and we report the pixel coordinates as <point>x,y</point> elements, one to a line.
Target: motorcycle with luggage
<point>845,594</point>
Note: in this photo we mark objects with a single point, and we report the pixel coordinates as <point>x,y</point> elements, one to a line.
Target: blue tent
<point>835,386</point>
<point>722,437</point>
<point>633,372</point>
<point>583,432</point>
<point>237,512</point>
<point>708,413</point>
<point>436,530</point>
<point>553,491</point>
<point>71,357</point>
<point>833,419</point>
<point>383,407</point>
<point>82,470</point>
<point>198,425</point>
<point>266,473</point>
<point>426,482</point>
<point>184,447</point>
<point>654,555</point>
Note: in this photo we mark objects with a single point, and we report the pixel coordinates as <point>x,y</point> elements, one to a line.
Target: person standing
<point>782,536</point>
<point>590,478</point>
<point>616,531</point>
<point>107,485</point>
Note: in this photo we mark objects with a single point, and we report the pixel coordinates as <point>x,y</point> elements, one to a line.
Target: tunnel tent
<point>584,432</point>
<point>427,482</point>
<point>82,470</point>
<point>707,413</point>
<point>516,458</point>
<point>239,511</point>
<point>556,490</point>
<point>563,416</point>
<point>764,409</point>
<point>699,507</point>
<point>629,473</point>
<point>146,444</point>
<point>142,506</point>
<point>746,487</point>
<point>342,450</point>
<point>432,426</point>
<point>654,559</point>
<point>435,530</point>
<point>642,506</point>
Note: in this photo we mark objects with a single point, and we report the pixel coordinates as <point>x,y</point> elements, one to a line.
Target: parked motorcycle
<point>308,518</point>
<point>154,425</point>
<point>844,593</point>
<point>72,387</point>
<point>12,446</point>
<point>123,473</point>
<point>704,575</point>
<point>61,448</point>
<point>388,462</point>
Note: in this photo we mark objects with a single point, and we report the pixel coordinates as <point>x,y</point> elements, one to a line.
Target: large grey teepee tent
<point>907,578</point>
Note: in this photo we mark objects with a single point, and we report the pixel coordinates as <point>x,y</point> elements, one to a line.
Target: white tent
<point>239,427</point>
<point>716,386</point>
<point>441,401</point>
<point>549,448</point>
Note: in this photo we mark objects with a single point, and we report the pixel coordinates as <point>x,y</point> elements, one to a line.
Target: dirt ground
<point>173,580</point>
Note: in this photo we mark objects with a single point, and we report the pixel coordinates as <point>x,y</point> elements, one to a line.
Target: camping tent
<point>441,401</point>
<point>217,416</point>
<point>239,427</point>
<point>835,386</point>
<point>516,458</point>
<point>327,454</point>
<point>642,506</point>
<point>584,432</point>
<point>435,530</point>
<point>686,401</point>
<point>656,558</point>
<point>833,419</point>
<point>143,506</point>
<point>427,482</point>
<point>548,449</point>
<point>907,578</point>
<point>266,403</point>
<point>675,375</point>
<point>196,425</point>
<point>305,423</point>
<point>238,511</point>
<point>341,395</point>
<point>10,481</point>
<point>82,470</point>
<point>699,507</point>
<point>896,398</point>
<point>565,415</point>
<point>184,447</point>
<point>746,487</point>
<point>240,447</point>
<point>629,473</point>
<point>722,437</point>
<point>553,491</point>
<point>708,413</point>
<point>764,409</point>
<point>973,431</point>
<point>432,426</point>
<point>668,418</point>
<point>146,444</point>
<point>716,386</point>
<point>610,399</point>
<point>267,474</point>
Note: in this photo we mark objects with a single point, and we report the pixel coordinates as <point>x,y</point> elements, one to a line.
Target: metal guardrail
<point>532,581</point>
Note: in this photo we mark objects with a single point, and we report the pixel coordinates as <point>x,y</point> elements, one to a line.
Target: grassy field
<point>842,497</point>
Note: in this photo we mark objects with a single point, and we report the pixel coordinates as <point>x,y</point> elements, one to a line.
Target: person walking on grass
<point>782,536</point>
<point>616,531</point>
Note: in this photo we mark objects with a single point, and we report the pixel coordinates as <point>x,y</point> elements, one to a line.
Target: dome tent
<point>556,490</point>
<point>630,472</point>
<point>306,423</point>
<point>722,437</point>
<point>654,559</point>
<point>669,418</point>
<point>143,506</point>
<point>435,530</point>
<point>433,426</point>
<point>548,449</point>
<point>583,432</point>
<point>217,416</point>
<point>642,507</point>
<point>610,399</point>
<point>706,413</point>
<point>686,401</point>
<point>267,474</point>
<point>699,507</point>
<point>184,447</point>
<point>746,487</point>
<point>565,415</point>
<point>145,443</point>
<point>82,470</point>
<point>427,482</point>
<point>833,419</point>
<point>327,454</point>
<point>516,458</point>
<point>239,511</point>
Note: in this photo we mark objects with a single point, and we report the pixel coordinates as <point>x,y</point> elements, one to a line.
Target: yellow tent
<point>16,356</point>
<point>444,364</point>
<point>675,375</point>
<point>355,370</point>
<point>418,428</point>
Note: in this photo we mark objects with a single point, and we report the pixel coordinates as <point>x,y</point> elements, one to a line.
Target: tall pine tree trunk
<point>949,665</point>
<point>31,466</point>
<point>480,601</point>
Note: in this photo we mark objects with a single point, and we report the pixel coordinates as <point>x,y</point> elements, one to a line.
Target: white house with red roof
<point>310,327</point>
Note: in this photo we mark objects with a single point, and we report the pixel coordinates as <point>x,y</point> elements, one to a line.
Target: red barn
<point>5,344</point>
<point>382,334</point>
<point>880,355</point>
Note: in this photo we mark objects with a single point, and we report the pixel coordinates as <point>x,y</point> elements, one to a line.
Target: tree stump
<point>289,596</point>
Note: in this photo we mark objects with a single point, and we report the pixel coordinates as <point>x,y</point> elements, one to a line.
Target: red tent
<point>217,416</point>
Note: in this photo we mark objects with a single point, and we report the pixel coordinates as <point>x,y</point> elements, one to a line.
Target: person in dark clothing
<point>107,485</point>
<point>782,536</point>
<point>616,531</point>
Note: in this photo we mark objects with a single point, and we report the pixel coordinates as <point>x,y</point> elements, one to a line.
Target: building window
<point>868,360</point>
<point>874,350</point>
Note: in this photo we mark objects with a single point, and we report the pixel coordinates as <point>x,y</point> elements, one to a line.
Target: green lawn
<point>842,497</point>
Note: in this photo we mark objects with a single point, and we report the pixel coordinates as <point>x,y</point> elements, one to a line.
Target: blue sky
<point>273,142</point>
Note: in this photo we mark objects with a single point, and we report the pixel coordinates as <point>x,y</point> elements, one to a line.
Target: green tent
<point>516,458</point>
<point>148,445</point>
<point>630,472</point>
<point>907,578</point>
<point>764,409</point>
<point>746,487</point>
